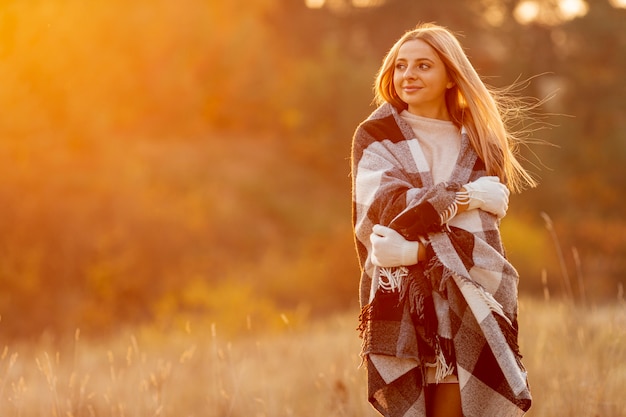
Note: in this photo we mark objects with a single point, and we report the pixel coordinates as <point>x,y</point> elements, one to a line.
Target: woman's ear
<point>450,85</point>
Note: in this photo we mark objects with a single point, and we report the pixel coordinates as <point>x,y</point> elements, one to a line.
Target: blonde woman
<point>432,168</point>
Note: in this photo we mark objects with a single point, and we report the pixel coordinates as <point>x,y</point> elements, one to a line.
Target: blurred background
<point>161,160</point>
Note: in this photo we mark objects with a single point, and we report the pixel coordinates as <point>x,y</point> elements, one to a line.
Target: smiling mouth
<point>411,89</point>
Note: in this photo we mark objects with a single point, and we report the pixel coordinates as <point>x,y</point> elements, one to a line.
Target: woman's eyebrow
<point>414,60</point>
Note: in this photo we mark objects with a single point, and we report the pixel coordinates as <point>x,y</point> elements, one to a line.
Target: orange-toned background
<point>161,160</point>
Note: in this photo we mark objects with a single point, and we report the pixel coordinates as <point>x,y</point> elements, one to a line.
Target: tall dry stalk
<point>544,283</point>
<point>579,274</point>
<point>564,273</point>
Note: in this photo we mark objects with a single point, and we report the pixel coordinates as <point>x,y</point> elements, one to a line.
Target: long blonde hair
<point>471,103</point>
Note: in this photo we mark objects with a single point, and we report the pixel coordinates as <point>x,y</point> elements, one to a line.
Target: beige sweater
<point>440,141</point>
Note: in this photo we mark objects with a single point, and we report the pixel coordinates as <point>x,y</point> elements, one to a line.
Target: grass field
<point>576,358</point>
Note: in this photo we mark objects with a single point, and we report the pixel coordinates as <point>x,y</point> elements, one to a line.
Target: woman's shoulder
<point>381,124</point>
<point>383,113</point>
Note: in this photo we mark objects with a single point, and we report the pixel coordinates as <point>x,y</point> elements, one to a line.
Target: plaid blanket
<point>467,274</point>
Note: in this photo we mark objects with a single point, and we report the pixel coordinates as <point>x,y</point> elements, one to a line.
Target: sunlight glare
<point>618,3</point>
<point>315,4</point>
<point>533,11</point>
<point>367,3</point>
<point>526,12</point>
<point>571,9</point>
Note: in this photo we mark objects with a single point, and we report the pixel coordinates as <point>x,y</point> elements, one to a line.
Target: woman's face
<point>421,80</point>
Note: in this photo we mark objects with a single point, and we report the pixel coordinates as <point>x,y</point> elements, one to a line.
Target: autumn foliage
<point>163,160</point>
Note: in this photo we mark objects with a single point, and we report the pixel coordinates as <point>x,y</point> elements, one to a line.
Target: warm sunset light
<point>315,4</point>
<point>176,207</point>
<point>367,3</point>
<point>572,9</point>
<point>529,11</point>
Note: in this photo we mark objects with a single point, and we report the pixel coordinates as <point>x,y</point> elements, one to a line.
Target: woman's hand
<point>488,194</point>
<point>390,248</point>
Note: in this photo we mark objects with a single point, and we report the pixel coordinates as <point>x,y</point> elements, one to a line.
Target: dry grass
<point>576,359</point>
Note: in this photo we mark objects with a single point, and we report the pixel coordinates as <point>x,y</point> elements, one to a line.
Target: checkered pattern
<point>467,269</point>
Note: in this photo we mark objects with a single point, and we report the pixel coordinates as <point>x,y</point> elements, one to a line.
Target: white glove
<point>488,194</point>
<point>390,248</point>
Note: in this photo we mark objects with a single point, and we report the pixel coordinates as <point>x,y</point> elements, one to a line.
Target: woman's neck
<point>430,112</point>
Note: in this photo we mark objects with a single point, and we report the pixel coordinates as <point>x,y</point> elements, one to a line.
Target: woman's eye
<point>400,66</point>
<point>424,66</point>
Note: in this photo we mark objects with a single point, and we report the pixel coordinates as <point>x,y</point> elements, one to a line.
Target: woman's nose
<point>409,74</point>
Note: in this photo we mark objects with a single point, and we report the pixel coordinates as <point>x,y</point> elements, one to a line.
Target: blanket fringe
<point>443,369</point>
<point>511,336</point>
<point>449,213</point>
<point>411,293</point>
<point>364,317</point>
<point>439,280</point>
<point>508,328</point>
<point>416,292</point>
<point>393,278</point>
<point>446,274</point>
<point>492,303</point>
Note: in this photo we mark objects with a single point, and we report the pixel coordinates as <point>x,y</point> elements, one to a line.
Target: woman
<point>432,168</point>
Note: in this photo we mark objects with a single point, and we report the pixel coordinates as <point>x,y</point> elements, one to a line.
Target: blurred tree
<point>153,148</point>
<point>594,62</point>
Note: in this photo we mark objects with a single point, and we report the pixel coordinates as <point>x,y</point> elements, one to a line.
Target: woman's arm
<point>486,193</point>
<point>390,248</point>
